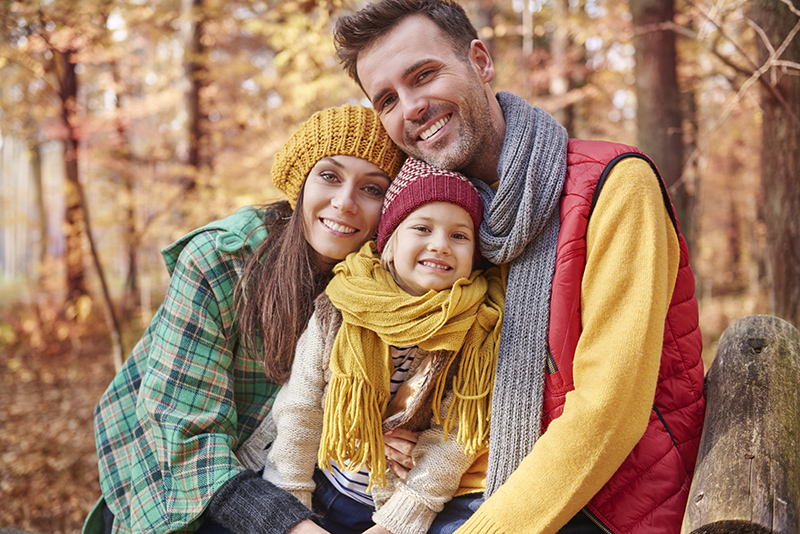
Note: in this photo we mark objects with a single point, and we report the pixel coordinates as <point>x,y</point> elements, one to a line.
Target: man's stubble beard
<point>475,136</point>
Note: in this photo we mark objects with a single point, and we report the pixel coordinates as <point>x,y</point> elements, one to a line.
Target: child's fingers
<point>398,470</point>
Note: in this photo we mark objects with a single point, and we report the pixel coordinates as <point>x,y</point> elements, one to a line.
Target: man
<point>598,406</point>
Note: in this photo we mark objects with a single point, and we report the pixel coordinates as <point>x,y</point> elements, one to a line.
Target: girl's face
<point>432,248</point>
<point>341,206</point>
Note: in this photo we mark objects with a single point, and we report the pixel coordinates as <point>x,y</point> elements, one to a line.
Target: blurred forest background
<point>126,123</point>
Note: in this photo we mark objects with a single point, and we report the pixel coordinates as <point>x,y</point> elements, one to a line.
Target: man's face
<point>434,104</point>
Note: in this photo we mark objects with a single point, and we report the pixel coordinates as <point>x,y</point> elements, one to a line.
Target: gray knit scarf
<point>520,227</point>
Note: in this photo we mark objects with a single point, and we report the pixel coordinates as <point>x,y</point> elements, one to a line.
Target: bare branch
<point>709,18</point>
<point>771,62</point>
<point>25,62</point>
<point>791,7</point>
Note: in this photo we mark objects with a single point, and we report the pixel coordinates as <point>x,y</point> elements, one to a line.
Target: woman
<point>208,367</point>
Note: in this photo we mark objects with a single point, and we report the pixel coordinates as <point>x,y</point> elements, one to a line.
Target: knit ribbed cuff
<point>248,504</point>
<point>479,523</point>
<point>302,496</point>
<point>404,514</point>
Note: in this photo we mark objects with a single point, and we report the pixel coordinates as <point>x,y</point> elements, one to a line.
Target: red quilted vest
<point>648,493</point>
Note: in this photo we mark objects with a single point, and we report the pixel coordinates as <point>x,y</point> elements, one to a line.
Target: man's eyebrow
<point>406,73</point>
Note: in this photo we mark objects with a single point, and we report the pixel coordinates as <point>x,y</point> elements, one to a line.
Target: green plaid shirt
<point>187,396</point>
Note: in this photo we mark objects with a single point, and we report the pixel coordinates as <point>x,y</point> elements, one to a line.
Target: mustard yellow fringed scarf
<point>376,313</point>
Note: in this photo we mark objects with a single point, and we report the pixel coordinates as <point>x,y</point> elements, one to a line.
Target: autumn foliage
<point>126,123</point>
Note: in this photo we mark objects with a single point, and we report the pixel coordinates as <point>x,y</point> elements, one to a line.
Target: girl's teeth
<point>435,265</point>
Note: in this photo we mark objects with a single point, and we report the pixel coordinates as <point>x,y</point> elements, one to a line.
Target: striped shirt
<point>354,484</point>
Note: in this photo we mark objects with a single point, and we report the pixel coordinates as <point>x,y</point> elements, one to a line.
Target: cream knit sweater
<point>403,507</point>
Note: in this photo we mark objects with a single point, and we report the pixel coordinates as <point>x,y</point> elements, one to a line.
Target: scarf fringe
<point>351,431</point>
<point>474,382</point>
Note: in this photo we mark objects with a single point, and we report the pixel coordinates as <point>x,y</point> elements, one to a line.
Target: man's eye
<point>424,74</point>
<point>387,102</point>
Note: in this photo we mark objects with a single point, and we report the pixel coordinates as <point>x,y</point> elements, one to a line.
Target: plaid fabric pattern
<point>187,396</point>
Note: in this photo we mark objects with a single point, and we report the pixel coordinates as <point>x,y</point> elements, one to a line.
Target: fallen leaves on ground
<point>49,385</point>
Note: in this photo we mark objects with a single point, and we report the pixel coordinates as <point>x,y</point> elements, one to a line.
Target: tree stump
<point>747,477</point>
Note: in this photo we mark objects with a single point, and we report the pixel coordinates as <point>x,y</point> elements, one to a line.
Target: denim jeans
<point>455,513</point>
<point>339,513</point>
<point>580,524</point>
<point>459,509</point>
<point>209,527</point>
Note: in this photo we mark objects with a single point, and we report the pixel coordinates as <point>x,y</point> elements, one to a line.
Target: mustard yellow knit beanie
<point>345,130</point>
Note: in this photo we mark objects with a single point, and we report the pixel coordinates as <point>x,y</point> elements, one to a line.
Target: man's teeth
<point>435,265</point>
<point>433,129</point>
<point>336,227</point>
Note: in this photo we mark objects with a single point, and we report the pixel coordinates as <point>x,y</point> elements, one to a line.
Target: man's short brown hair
<point>353,33</point>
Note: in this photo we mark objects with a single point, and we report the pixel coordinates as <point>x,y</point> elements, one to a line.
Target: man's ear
<point>482,61</point>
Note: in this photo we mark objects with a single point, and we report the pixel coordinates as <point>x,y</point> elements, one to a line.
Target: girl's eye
<point>459,235</point>
<point>420,228</point>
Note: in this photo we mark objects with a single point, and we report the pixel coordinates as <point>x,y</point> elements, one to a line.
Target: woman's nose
<point>345,200</point>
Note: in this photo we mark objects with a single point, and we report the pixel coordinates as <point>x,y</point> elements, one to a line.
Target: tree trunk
<point>559,52</point>
<point>42,245</point>
<point>196,72</point>
<point>780,160</point>
<point>692,179</point>
<point>73,216</point>
<point>78,223</point>
<point>747,478</point>
<point>131,238</point>
<point>659,112</point>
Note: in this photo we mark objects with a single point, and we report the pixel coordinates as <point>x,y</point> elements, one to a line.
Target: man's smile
<point>435,128</point>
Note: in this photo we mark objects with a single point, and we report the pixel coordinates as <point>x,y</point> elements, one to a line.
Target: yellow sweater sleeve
<point>631,268</point>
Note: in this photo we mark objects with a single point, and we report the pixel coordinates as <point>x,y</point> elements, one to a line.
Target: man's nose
<point>414,106</point>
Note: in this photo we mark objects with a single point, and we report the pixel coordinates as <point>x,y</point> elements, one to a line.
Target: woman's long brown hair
<point>275,295</point>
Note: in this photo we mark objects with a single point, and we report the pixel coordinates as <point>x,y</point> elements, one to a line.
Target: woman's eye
<point>374,190</point>
<point>328,176</point>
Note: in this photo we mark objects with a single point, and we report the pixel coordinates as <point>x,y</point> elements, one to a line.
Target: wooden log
<point>747,477</point>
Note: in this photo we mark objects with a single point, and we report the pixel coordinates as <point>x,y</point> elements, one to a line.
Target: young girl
<point>171,425</point>
<point>407,339</point>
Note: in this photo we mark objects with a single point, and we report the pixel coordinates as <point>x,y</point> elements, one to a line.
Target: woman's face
<point>342,200</point>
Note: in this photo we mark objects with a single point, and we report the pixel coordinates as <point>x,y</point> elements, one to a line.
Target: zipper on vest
<point>550,362</point>
<point>596,521</point>
<point>663,422</point>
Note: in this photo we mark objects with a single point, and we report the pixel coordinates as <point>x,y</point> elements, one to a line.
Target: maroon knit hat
<point>418,184</point>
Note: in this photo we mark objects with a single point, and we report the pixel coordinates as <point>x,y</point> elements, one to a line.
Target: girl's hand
<point>307,526</point>
<point>398,446</point>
